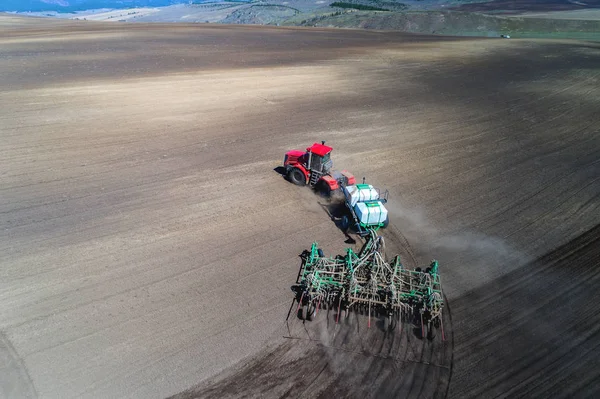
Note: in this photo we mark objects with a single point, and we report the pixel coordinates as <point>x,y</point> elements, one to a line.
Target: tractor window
<point>320,163</point>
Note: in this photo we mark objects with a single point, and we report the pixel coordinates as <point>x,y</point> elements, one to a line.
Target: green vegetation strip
<point>341,4</point>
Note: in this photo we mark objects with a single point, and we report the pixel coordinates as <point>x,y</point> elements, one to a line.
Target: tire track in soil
<point>397,237</point>
<point>324,359</point>
<point>15,381</point>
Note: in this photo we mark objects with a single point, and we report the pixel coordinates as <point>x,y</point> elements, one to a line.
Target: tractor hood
<point>294,153</point>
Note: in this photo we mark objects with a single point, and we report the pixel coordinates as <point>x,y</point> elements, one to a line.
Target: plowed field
<point>148,245</point>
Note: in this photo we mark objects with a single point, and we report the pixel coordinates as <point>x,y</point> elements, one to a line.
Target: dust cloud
<point>487,257</point>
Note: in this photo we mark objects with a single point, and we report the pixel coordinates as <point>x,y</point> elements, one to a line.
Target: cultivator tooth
<point>366,282</point>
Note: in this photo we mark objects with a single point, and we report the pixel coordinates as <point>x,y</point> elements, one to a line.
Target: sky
<point>80,5</point>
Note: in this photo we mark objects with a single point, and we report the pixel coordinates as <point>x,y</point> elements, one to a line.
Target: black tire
<point>296,176</point>
<point>345,223</point>
<point>386,222</point>
<point>323,189</point>
<point>312,311</point>
<point>345,313</point>
<point>389,322</point>
<point>304,312</point>
<point>431,331</point>
<point>308,311</point>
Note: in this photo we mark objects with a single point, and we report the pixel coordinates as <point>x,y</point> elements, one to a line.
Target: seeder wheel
<point>345,223</point>
<point>389,322</point>
<point>432,328</point>
<point>308,311</point>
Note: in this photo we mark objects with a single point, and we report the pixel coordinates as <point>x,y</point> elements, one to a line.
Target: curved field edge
<point>14,377</point>
<point>547,310</point>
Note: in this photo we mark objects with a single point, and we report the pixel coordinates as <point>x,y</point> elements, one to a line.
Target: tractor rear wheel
<point>323,189</point>
<point>297,177</point>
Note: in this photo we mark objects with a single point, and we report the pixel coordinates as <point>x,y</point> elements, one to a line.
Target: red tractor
<point>313,167</point>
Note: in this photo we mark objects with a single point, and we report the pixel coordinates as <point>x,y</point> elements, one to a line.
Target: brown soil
<point>148,245</point>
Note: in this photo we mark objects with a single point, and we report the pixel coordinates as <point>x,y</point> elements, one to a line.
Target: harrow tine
<point>290,311</point>
<point>400,326</point>
<point>442,327</point>
<point>318,305</point>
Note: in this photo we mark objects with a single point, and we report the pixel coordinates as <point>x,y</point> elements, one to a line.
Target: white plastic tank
<point>370,213</point>
<point>361,192</point>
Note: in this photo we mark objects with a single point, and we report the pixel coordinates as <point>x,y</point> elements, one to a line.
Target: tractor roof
<point>319,149</point>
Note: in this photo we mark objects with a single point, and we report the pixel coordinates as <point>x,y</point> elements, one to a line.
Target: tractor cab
<point>319,158</point>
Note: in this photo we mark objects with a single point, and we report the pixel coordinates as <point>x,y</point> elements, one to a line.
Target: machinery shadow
<point>280,170</point>
<point>331,203</point>
<point>335,210</point>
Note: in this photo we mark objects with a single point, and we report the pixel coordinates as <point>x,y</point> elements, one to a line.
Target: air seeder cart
<point>365,210</point>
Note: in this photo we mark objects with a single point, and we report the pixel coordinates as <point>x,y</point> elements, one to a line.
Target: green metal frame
<point>367,279</point>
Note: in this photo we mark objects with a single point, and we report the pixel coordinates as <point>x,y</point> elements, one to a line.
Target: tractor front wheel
<point>297,177</point>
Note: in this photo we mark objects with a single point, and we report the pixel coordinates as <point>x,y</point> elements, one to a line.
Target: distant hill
<point>456,23</point>
<point>517,6</point>
<point>80,5</point>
